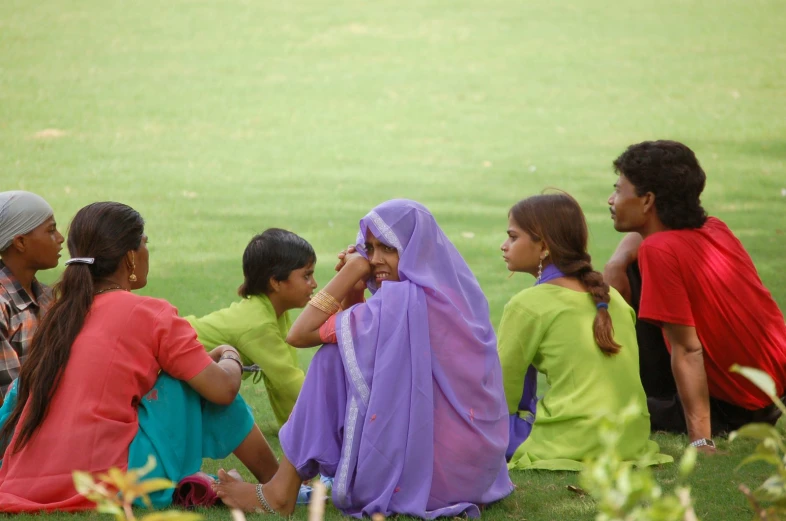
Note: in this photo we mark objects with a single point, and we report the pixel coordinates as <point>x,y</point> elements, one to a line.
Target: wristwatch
<point>703,442</point>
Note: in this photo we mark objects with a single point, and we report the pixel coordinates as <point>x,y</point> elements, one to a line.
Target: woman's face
<point>383,259</point>
<point>519,251</point>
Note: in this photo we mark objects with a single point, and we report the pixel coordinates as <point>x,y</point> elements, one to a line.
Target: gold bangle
<point>324,306</point>
<point>325,302</point>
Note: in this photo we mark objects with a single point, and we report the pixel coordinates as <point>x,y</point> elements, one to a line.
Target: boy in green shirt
<point>278,267</point>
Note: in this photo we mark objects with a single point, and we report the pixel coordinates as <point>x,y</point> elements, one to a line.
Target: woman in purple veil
<point>404,403</point>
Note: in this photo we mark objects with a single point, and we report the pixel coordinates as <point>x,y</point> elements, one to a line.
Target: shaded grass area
<point>217,120</point>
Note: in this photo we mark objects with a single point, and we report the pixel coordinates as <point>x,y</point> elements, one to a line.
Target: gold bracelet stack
<point>325,302</point>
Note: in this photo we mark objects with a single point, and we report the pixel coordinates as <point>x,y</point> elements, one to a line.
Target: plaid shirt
<point>19,316</point>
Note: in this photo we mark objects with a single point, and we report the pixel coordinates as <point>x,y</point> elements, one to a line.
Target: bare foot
<point>237,494</point>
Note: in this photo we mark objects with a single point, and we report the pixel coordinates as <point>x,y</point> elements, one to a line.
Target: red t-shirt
<point>704,278</point>
<point>125,341</point>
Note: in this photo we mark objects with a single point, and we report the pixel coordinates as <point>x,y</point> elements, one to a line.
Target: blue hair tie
<point>602,305</point>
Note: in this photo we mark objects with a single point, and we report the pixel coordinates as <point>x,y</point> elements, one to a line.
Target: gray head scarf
<point>21,213</point>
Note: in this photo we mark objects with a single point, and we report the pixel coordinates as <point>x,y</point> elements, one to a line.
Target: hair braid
<point>601,326</point>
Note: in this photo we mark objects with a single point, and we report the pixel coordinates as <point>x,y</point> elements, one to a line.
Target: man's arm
<point>687,364</point>
<point>615,271</point>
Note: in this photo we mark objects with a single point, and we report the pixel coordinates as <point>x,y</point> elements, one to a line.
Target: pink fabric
<point>126,340</point>
<point>195,491</point>
<point>327,332</point>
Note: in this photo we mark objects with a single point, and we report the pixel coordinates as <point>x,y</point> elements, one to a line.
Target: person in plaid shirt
<point>29,242</point>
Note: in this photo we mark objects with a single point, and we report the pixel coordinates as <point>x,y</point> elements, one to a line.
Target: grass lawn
<point>218,119</point>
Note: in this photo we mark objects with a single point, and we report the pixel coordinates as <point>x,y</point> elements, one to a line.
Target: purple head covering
<point>426,423</point>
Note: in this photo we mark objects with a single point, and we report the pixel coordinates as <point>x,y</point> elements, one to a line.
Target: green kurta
<point>252,328</point>
<point>551,327</point>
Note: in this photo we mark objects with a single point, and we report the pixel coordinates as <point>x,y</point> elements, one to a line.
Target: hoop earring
<point>132,277</point>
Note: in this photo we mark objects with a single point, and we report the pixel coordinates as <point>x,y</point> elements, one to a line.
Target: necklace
<point>110,288</point>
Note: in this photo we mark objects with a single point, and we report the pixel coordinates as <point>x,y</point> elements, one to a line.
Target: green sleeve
<point>283,377</point>
<point>202,335</point>
<point>520,334</point>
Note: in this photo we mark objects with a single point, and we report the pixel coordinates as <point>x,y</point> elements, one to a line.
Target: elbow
<point>229,391</point>
<point>295,339</point>
<point>692,349</point>
<point>227,397</point>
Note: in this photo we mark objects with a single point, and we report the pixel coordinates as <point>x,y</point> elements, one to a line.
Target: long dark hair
<point>105,231</point>
<point>274,253</point>
<point>557,219</point>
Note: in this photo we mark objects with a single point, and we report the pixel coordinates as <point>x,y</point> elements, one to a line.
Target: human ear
<point>649,202</point>
<point>19,243</point>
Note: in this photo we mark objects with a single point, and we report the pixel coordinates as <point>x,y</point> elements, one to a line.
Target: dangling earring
<point>540,266</point>
<point>132,277</point>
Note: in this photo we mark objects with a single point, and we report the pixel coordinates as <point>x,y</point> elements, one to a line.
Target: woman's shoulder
<point>128,308</point>
<point>535,297</point>
<point>533,301</point>
<point>151,305</point>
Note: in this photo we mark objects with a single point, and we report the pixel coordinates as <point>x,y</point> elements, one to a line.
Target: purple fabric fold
<point>520,423</point>
<point>424,427</point>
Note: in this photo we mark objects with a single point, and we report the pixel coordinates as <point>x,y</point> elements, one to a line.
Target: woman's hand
<point>359,265</point>
<point>343,256</point>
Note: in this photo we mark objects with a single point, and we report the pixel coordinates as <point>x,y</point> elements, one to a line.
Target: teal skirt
<point>179,428</point>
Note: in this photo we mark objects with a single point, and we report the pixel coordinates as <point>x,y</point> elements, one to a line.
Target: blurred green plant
<point>768,499</point>
<point>627,490</point>
<point>115,491</point>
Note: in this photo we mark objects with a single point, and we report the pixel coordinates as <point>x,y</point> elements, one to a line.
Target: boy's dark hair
<point>671,171</point>
<point>273,253</point>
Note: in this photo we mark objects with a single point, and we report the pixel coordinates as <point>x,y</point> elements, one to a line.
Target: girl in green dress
<point>576,331</point>
<point>278,267</point>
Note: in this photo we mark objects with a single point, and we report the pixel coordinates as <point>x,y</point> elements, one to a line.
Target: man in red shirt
<point>700,286</point>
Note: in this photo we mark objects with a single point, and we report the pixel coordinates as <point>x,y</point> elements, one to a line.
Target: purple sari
<point>520,423</point>
<point>419,426</point>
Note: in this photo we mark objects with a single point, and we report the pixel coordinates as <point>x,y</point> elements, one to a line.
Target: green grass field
<point>218,119</point>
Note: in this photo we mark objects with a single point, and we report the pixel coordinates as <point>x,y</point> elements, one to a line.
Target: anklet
<point>262,500</point>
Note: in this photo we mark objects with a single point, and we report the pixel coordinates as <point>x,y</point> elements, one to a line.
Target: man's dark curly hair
<point>671,171</point>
